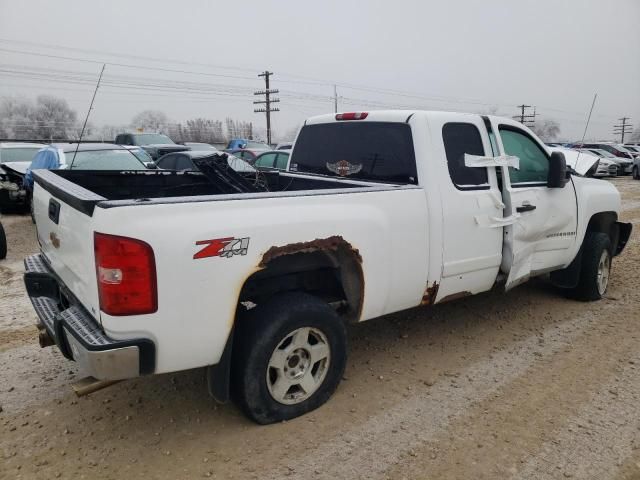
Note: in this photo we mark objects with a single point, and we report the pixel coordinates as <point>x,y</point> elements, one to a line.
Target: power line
<point>622,128</point>
<point>382,91</point>
<point>267,102</point>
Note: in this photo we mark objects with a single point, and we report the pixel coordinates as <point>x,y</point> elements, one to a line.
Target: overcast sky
<point>200,58</point>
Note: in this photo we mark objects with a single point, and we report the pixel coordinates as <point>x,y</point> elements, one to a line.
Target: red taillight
<point>352,116</point>
<point>126,271</point>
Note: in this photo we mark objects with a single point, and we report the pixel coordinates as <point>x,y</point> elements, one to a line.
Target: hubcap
<point>298,365</point>
<point>604,267</point>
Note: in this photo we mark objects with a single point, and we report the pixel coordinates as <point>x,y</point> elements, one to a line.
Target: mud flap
<point>568,277</point>
<point>219,375</point>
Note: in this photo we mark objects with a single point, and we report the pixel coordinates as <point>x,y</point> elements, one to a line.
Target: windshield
<point>104,160</point>
<point>18,154</point>
<point>141,154</point>
<point>603,153</point>
<point>151,139</point>
<point>378,151</point>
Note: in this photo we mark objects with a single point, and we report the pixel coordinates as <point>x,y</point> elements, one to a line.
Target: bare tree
<point>150,120</point>
<point>15,118</point>
<point>53,117</point>
<point>239,129</point>
<point>49,119</point>
<point>204,130</point>
<point>547,129</point>
<point>635,136</point>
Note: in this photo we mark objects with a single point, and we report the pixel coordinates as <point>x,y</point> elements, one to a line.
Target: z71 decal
<point>222,247</point>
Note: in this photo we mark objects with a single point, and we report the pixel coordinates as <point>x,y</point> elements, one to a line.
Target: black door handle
<point>525,208</point>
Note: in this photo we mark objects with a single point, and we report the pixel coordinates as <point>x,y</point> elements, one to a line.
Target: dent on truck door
<point>471,249</point>
<point>545,224</point>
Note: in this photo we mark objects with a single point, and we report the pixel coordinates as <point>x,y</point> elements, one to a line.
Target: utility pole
<point>267,101</point>
<point>335,99</point>
<point>623,128</point>
<point>526,119</point>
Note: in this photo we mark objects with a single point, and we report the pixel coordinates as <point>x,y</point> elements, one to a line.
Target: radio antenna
<point>84,125</point>
<point>589,118</point>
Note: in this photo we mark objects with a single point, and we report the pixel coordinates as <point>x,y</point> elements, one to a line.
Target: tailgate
<point>65,235</point>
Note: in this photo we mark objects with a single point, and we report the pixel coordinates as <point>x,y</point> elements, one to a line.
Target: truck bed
<point>84,189</point>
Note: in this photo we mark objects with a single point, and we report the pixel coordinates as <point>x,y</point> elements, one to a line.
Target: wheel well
<point>328,268</point>
<point>605,222</point>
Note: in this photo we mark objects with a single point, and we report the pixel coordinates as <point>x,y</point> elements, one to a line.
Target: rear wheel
<point>289,357</point>
<point>3,243</point>
<point>596,267</point>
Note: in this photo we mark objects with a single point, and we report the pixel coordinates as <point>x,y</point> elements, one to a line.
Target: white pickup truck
<point>158,271</point>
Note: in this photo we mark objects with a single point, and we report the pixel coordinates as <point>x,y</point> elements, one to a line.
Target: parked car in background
<point>246,154</point>
<point>241,143</point>
<point>89,156</point>
<point>635,150</point>
<point>18,151</point>
<point>624,158</point>
<point>582,163</point>
<point>618,150</point>
<point>184,161</point>
<point>15,158</point>
<point>635,170</point>
<point>156,144</point>
<point>200,146</point>
<point>606,166</point>
<point>273,159</point>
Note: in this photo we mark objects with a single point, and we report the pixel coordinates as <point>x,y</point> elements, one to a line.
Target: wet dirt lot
<point>527,385</point>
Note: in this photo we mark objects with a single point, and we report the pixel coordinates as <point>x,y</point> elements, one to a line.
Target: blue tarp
<point>46,158</point>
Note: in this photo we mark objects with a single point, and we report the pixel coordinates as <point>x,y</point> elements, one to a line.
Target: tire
<point>280,335</point>
<point>3,243</point>
<point>595,269</point>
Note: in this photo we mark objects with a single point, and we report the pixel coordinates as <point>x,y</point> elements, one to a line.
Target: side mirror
<point>557,171</point>
<point>151,165</point>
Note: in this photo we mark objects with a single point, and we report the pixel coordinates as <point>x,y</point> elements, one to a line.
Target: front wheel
<point>289,357</point>
<point>596,267</point>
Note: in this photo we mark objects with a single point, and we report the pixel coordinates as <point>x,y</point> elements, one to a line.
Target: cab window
<point>460,139</point>
<point>534,164</point>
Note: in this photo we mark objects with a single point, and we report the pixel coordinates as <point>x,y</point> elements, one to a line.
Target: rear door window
<point>460,139</point>
<point>374,151</point>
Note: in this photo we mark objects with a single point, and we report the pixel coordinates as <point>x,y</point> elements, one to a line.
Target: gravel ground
<point>527,385</point>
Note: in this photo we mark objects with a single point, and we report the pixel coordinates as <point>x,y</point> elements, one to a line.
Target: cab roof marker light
<point>352,116</point>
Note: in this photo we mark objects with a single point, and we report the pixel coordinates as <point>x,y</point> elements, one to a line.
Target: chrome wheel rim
<point>604,267</point>
<point>298,366</point>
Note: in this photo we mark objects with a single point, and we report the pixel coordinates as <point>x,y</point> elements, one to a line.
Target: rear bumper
<point>77,334</point>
